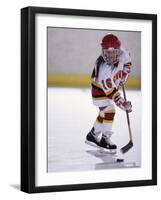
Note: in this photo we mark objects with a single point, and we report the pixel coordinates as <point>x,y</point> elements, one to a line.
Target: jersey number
<point>108,83</point>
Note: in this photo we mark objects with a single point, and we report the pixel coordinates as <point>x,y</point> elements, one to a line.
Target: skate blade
<point>108,151</point>
<point>91,144</point>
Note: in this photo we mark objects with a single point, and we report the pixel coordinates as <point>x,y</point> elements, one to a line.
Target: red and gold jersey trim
<point>99,94</point>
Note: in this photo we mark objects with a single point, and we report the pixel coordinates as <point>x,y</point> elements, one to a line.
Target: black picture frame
<point>28,98</point>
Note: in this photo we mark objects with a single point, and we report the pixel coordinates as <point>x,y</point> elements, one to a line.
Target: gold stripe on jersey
<point>99,121</point>
<point>96,84</point>
<point>99,98</point>
<point>99,86</point>
<point>107,121</point>
<point>109,92</point>
<point>110,111</point>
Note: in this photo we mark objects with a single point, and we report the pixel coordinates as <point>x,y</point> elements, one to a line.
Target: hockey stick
<point>128,146</point>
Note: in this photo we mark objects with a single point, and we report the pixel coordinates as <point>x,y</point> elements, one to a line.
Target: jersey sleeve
<point>127,64</point>
<point>127,60</point>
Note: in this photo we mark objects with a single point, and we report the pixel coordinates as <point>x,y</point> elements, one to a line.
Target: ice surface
<point>71,115</point>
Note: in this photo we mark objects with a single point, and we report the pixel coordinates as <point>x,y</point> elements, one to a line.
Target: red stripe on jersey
<point>128,65</point>
<point>102,108</point>
<point>109,116</point>
<point>111,95</point>
<point>97,92</point>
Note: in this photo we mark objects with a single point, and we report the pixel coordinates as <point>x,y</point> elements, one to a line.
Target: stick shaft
<point>127,114</point>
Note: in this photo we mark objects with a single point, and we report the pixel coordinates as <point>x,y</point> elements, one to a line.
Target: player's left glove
<point>124,105</point>
<point>125,74</point>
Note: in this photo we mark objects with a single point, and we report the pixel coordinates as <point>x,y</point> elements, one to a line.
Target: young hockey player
<point>112,69</point>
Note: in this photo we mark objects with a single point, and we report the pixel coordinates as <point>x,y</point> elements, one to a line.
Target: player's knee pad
<point>108,113</point>
<point>100,118</point>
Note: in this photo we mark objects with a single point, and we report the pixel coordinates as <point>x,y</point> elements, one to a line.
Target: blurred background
<point>73,52</point>
<point>71,57</point>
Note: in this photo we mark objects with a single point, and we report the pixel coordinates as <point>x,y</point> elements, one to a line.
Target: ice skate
<point>92,139</point>
<point>107,146</point>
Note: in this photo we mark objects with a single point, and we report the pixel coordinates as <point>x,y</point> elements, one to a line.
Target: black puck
<point>119,160</point>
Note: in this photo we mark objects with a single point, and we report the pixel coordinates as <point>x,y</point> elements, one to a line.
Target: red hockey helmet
<point>111,49</point>
<point>110,41</point>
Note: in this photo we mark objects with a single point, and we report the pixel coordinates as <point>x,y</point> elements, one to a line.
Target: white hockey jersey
<point>106,85</point>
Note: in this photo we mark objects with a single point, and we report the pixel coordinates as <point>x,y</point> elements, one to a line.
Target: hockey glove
<point>125,74</point>
<point>124,105</point>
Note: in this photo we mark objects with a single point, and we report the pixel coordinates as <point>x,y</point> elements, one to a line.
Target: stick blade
<point>127,147</point>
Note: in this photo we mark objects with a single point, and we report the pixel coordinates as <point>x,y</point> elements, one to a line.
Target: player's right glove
<point>124,105</point>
